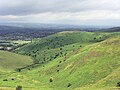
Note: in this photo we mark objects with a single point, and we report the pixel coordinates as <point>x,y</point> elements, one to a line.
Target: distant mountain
<point>16,32</point>
<point>114,29</point>
<point>27,31</point>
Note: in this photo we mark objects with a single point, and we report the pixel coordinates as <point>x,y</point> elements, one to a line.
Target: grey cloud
<point>25,7</point>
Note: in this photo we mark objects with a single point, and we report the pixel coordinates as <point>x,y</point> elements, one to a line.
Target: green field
<point>11,61</point>
<point>20,42</point>
<point>67,61</point>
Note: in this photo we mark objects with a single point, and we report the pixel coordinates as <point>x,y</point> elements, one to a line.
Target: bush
<point>60,62</point>
<point>5,80</point>
<point>18,69</point>
<point>51,79</point>
<point>13,79</point>
<point>28,68</point>
<point>58,70</point>
<point>60,48</point>
<point>19,88</point>
<point>64,60</point>
<point>118,84</point>
<point>80,45</point>
<point>95,38</point>
<point>69,84</point>
<point>58,65</point>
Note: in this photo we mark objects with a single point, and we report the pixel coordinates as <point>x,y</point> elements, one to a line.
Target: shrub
<point>13,79</point>
<point>19,88</point>
<point>28,68</point>
<point>64,60</point>
<point>69,84</point>
<point>18,69</point>
<point>60,48</point>
<point>51,79</point>
<point>5,80</point>
<point>58,65</point>
<point>80,45</point>
<point>58,70</point>
<point>60,61</point>
<point>61,52</point>
<point>118,84</point>
<point>95,38</point>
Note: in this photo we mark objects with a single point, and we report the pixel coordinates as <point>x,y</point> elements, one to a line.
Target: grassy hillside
<point>11,61</point>
<point>93,63</point>
<point>60,44</point>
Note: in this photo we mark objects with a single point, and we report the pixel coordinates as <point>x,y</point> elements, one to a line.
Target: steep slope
<point>11,61</point>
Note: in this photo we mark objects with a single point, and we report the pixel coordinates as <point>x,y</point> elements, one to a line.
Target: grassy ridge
<point>60,44</point>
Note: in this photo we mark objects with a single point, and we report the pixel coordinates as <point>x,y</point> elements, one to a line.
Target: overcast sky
<point>93,12</point>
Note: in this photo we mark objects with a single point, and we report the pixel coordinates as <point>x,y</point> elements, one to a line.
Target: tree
<point>60,62</point>
<point>60,48</point>
<point>94,38</point>
<point>118,84</point>
<point>69,84</point>
<point>5,80</point>
<point>19,88</point>
<point>18,69</point>
<point>51,79</point>
<point>58,70</point>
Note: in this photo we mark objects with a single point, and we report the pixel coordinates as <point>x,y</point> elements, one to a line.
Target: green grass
<point>60,44</point>
<point>10,61</point>
<point>94,66</point>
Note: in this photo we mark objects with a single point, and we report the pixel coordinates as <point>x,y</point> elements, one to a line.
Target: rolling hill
<point>70,61</point>
<point>60,44</point>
